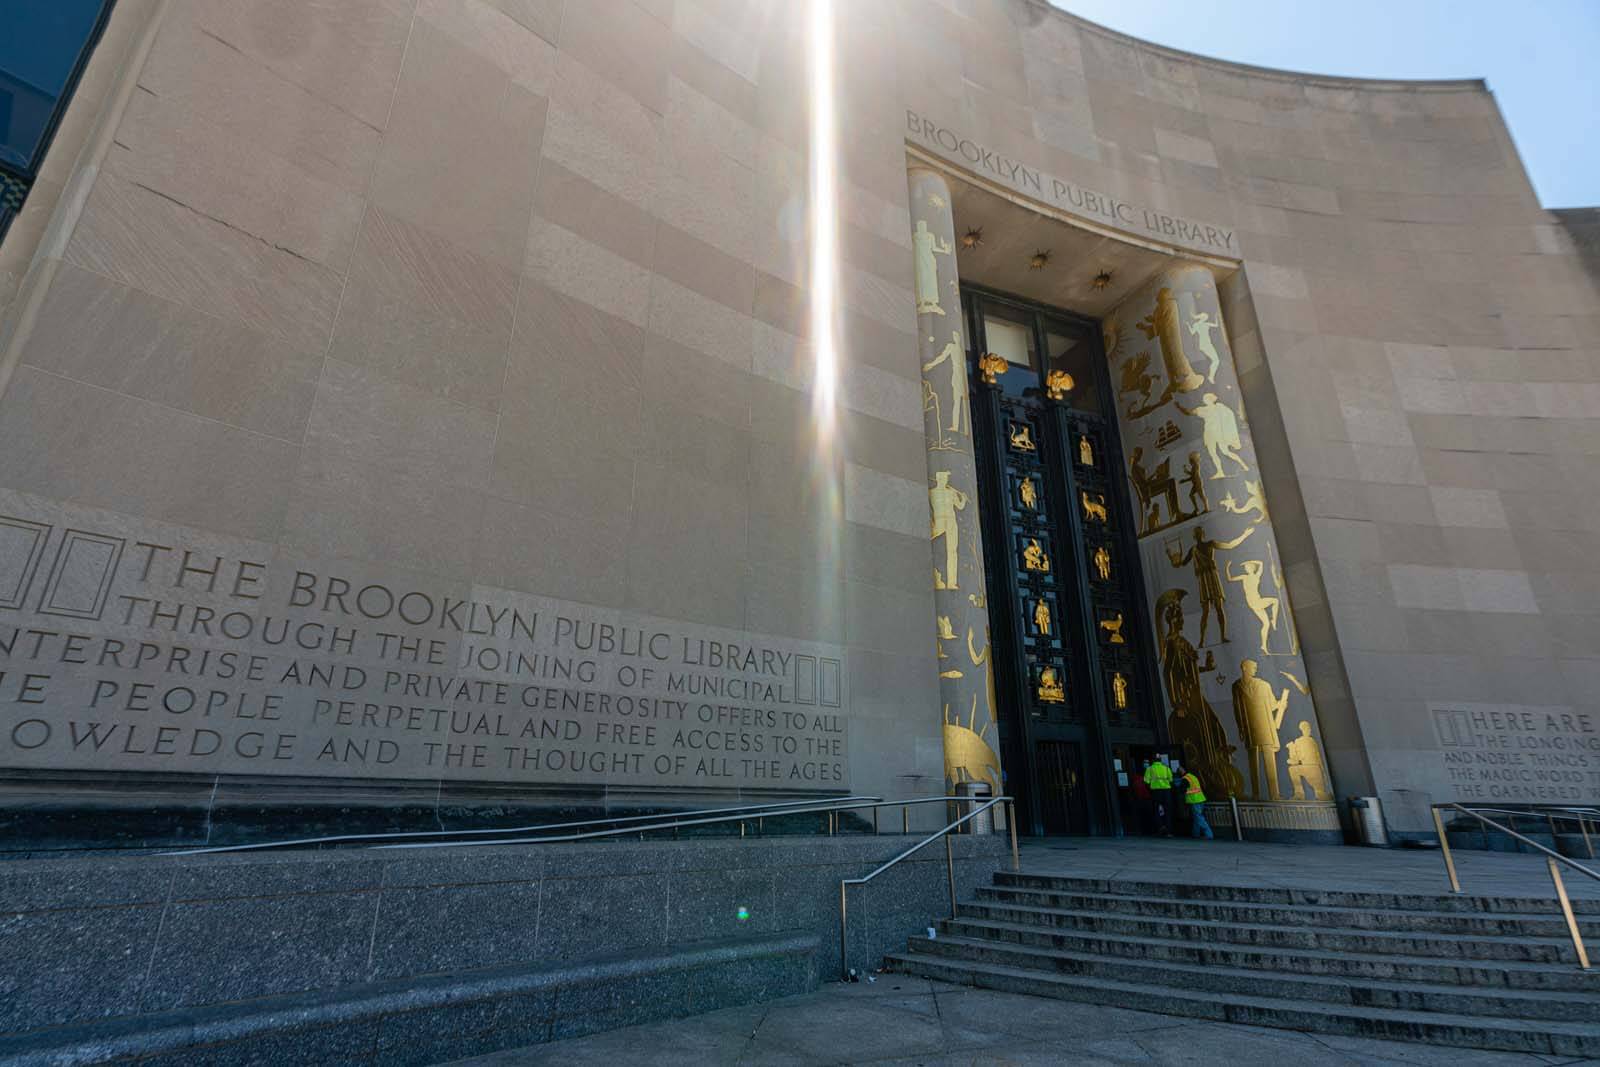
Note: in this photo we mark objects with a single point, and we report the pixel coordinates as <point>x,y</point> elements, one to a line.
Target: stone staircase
<point>1482,972</point>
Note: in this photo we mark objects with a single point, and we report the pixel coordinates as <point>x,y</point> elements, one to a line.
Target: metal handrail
<point>1552,812</point>
<point>949,863</point>
<point>752,810</point>
<point>1551,857</point>
<point>674,822</point>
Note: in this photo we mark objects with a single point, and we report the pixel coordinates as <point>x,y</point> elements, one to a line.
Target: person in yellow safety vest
<point>1196,799</point>
<point>1158,776</point>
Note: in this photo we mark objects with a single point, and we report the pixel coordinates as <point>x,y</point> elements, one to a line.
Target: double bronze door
<point>1073,673</point>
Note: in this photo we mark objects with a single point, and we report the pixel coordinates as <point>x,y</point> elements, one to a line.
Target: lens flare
<point>824,213</point>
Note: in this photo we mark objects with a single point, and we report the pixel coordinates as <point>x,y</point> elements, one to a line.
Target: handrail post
<point>950,870</point>
<point>1238,823</point>
<point>905,818</point>
<point>1566,911</point>
<point>844,963</point>
<point>1444,850</point>
<point>1011,824</point>
<point>874,820</point>
<point>1588,843</point>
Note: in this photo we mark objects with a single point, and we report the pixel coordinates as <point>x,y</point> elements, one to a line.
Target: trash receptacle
<point>977,793</point>
<point>1368,815</point>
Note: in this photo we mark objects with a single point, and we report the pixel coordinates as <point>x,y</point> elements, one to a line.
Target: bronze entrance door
<point>1074,674</point>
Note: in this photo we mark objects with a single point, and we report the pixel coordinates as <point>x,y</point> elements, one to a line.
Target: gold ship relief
<point>1050,689</point>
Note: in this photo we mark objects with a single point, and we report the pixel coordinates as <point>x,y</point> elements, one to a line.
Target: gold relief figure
<point>1085,450</point>
<point>1198,504</point>
<point>951,672</point>
<point>1193,724</point>
<point>991,366</point>
<point>1034,558</point>
<point>944,500</point>
<point>1277,582</point>
<point>1093,509</point>
<point>1258,713</point>
<point>1041,616</point>
<point>1200,325</point>
<point>935,200</point>
<point>985,660</point>
<point>1102,563</point>
<point>1265,608</point>
<point>1253,501</point>
<point>1028,493</point>
<point>1051,691</point>
<point>925,245</point>
<point>1022,438</point>
<point>960,402</point>
<point>1202,555</point>
<point>1306,768</point>
<point>1057,384</point>
<point>1119,691</point>
<point>967,756</point>
<point>1113,629</point>
<point>945,633</point>
<point>1135,377</point>
<point>1221,432</point>
<point>1149,485</point>
<point>1164,324</point>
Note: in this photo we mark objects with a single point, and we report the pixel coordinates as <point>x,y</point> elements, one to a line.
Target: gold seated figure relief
<point>1034,558</point>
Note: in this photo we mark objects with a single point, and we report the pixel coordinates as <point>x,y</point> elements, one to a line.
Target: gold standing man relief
<point>1264,608</point>
<point>1102,563</point>
<point>1306,769</point>
<point>1041,616</point>
<point>944,500</point>
<point>1221,432</point>
<point>925,245</point>
<point>960,402</point>
<point>1028,493</point>
<point>1202,555</point>
<point>1258,713</point>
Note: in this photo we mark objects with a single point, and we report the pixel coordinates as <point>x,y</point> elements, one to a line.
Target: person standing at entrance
<point>1158,776</point>
<point>1195,797</point>
<point>1141,799</point>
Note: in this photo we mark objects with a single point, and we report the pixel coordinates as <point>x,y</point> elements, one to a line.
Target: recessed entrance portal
<point>1075,678</point>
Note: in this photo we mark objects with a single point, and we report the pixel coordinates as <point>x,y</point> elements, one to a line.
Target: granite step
<point>1449,999</point>
<point>1546,923</point>
<point>1444,901</point>
<point>1211,931</point>
<point>1542,1036</point>
<point>1121,949</point>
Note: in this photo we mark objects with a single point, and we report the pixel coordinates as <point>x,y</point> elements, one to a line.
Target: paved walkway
<point>910,1021</point>
<point>1221,862</point>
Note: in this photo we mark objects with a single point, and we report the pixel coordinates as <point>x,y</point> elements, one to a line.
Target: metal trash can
<point>1367,812</point>
<point>976,792</point>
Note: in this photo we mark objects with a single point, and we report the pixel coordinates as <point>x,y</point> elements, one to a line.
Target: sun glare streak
<point>824,200</point>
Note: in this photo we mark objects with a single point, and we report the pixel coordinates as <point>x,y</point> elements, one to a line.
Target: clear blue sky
<point>1541,59</point>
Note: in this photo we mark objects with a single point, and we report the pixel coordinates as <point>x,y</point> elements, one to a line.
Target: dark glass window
<point>43,45</point>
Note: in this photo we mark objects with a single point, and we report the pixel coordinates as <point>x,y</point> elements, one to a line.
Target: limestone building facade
<point>422,407</point>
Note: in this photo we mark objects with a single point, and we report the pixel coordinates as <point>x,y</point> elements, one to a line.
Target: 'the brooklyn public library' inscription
<point>1100,207</point>
<point>145,650</point>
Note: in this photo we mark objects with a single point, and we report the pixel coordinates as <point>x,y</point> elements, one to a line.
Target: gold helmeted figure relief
<point>944,501</point>
<point>1198,504</point>
<point>1094,509</point>
<point>1041,615</point>
<point>960,402</point>
<point>1193,724</point>
<point>1034,558</point>
<point>1306,767</point>
<point>1202,556</point>
<point>1057,384</point>
<point>925,246</point>
<point>1022,438</point>
<point>1102,562</point>
<point>1221,433</point>
<point>990,367</point>
<point>1258,713</point>
<point>1264,608</point>
<point>1119,691</point>
<point>1200,325</point>
<point>1028,494</point>
<point>1050,690</point>
<point>1085,450</point>
<point>1113,630</point>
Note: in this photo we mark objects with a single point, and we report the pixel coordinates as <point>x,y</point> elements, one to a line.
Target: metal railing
<point>949,865</point>
<point>1551,814</point>
<point>1551,858</point>
<point>748,811</point>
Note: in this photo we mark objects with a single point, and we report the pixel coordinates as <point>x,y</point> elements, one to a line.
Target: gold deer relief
<point>1113,629</point>
<point>1022,437</point>
<point>1094,509</point>
<point>1050,690</point>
